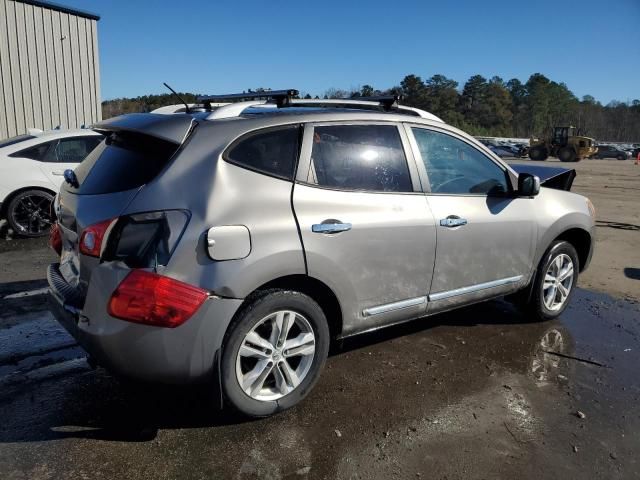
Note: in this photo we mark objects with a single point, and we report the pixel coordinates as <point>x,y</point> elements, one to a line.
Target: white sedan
<point>31,172</point>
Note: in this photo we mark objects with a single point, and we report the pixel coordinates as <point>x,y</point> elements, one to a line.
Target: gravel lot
<point>470,394</point>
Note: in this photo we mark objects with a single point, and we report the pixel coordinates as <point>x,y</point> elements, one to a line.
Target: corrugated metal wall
<point>49,72</point>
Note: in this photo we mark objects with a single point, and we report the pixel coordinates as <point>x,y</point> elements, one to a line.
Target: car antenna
<point>186,105</point>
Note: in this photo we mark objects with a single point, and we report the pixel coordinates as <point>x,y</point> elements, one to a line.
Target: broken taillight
<point>55,238</point>
<point>92,238</point>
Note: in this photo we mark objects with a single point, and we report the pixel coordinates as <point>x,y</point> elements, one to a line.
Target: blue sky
<point>220,46</point>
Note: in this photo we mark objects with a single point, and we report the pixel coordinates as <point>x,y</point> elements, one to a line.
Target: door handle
<point>453,221</point>
<point>58,172</point>
<point>330,226</point>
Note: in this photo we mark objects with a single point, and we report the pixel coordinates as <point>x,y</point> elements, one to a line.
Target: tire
<point>621,157</point>
<point>539,305</point>
<point>259,317</point>
<point>538,153</point>
<point>567,154</point>
<point>29,213</point>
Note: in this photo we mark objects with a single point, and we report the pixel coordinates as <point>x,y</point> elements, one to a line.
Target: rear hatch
<point>136,149</point>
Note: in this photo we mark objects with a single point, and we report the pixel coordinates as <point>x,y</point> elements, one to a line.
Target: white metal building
<point>49,71</point>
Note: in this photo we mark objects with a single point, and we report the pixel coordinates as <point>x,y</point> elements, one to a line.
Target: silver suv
<point>233,244</point>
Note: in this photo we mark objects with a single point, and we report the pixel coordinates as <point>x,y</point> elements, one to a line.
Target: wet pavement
<point>478,393</point>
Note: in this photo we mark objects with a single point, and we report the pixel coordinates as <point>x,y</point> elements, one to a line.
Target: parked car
<point>238,244</point>
<point>31,170</point>
<point>609,151</point>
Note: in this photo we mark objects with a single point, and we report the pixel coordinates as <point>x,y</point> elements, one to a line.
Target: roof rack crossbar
<point>280,97</point>
<point>386,101</point>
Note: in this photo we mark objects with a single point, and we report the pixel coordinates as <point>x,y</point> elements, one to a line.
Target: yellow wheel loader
<point>566,143</point>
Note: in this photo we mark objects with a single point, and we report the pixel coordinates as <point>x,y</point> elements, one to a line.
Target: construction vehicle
<point>566,143</point>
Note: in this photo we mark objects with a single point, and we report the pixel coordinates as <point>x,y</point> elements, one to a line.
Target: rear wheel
<point>274,352</point>
<point>538,153</point>
<point>555,281</point>
<point>29,213</point>
<point>567,154</point>
<point>621,157</point>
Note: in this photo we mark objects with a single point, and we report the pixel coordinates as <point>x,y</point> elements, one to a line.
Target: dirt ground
<point>478,393</point>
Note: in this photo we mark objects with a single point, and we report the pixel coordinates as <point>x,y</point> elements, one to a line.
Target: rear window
<point>273,151</point>
<point>14,140</point>
<point>123,161</point>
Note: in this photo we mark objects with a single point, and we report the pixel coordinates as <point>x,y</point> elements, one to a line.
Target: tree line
<point>491,107</point>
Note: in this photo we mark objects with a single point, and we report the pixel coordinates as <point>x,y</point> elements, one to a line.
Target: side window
<point>359,157</point>
<point>273,151</point>
<point>73,150</point>
<point>454,167</point>
<point>36,152</point>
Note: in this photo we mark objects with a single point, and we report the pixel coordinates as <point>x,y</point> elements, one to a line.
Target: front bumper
<point>184,354</point>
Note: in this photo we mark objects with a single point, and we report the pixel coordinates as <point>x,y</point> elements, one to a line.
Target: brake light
<point>92,237</point>
<point>55,238</point>
<point>149,298</point>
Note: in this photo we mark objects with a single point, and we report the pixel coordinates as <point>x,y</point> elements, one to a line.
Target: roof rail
<point>280,97</point>
<point>359,103</point>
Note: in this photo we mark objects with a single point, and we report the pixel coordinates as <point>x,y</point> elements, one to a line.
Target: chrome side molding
<point>389,307</point>
<point>474,288</point>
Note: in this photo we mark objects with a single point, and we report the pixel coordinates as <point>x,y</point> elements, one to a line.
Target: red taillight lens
<point>92,237</point>
<point>55,238</point>
<point>149,298</point>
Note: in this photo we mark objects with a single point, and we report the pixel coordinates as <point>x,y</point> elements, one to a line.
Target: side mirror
<point>528,185</point>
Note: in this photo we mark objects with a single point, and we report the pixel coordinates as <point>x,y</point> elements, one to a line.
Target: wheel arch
<point>314,288</point>
<point>581,241</point>
<point>12,195</point>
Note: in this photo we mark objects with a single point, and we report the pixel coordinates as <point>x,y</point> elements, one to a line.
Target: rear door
<point>366,228</point>
<point>486,236</point>
<point>67,153</point>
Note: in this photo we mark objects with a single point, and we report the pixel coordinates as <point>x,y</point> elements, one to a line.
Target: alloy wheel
<point>558,282</point>
<point>275,356</point>
<point>32,214</point>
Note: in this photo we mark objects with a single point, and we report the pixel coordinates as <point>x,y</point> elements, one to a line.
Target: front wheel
<point>555,281</point>
<point>274,352</point>
<point>567,154</point>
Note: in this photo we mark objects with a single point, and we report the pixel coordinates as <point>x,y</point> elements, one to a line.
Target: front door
<point>366,228</point>
<point>485,235</point>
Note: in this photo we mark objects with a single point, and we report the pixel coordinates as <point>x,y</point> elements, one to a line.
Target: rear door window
<point>273,151</point>
<point>123,161</point>
<point>73,150</point>
<point>359,157</point>
<point>37,152</point>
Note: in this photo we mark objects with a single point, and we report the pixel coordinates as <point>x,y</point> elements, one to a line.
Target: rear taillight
<point>92,238</point>
<point>149,298</point>
<point>55,238</point>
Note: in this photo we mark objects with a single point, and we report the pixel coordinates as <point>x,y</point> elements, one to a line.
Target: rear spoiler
<point>550,177</point>
<point>170,128</point>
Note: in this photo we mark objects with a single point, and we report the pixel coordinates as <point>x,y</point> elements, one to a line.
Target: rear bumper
<point>184,354</point>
